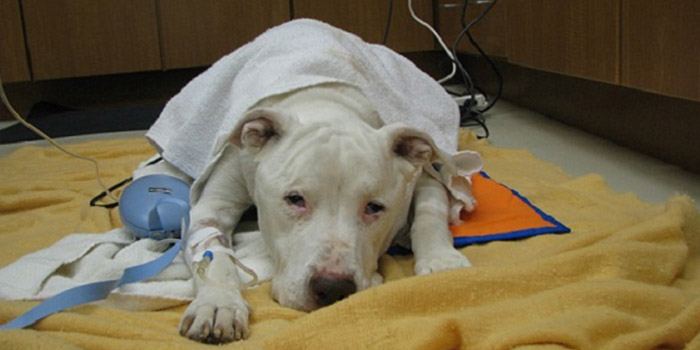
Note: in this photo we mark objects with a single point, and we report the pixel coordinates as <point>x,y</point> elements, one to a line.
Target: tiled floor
<point>576,152</point>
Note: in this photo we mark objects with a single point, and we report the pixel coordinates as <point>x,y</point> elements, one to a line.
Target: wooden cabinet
<point>643,44</point>
<point>72,38</point>
<point>13,56</point>
<point>660,42</point>
<point>405,34</point>
<point>198,32</point>
<point>579,38</point>
<point>367,18</point>
<point>490,32</point>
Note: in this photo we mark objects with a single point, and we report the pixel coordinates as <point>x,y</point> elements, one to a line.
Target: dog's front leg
<point>218,313</point>
<point>431,240</point>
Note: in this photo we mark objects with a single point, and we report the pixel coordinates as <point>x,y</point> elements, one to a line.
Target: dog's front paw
<point>440,261</point>
<point>215,316</point>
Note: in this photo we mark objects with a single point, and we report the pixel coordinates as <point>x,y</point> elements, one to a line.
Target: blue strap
<point>93,291</point>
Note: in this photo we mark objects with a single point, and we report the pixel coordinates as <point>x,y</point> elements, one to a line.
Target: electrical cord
<point>51,141</point>
<point>483,54</point>
<point>387,27</point>
<point>439,39</point>
<point>471,116</point>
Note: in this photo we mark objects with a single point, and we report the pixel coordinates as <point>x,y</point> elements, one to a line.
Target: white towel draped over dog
<point>196,124</point>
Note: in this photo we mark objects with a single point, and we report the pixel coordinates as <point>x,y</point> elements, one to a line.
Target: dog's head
<point>330,199</point>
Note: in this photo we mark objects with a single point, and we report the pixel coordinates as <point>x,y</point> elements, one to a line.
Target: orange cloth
<point>501,213</point>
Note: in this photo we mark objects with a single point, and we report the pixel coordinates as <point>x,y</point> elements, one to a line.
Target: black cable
<point>478,120</point>
<point>466,75</point>
<point>465,31</point>
<point>467,114</point>
<point>470,115</point>
<point>462,19</point>
<point>388,22</point>
<point>97,198</point>
<point>499,77</point>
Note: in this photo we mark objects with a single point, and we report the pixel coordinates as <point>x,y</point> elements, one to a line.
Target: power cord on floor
<point>51,141</point>
<point>466,31</point>
<point>470,115</point>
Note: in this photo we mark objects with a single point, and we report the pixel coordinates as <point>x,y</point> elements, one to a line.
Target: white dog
<point>334,187</point>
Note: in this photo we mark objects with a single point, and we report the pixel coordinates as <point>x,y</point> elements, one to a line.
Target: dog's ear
<point>259,126</point>
<point>415,146</point>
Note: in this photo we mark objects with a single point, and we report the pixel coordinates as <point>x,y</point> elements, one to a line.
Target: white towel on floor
<point>195,125</point>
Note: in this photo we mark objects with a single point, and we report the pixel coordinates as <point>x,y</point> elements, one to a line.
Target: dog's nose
<point>327,289</point>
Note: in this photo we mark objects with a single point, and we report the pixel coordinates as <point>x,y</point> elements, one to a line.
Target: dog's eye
<point>295,199</point>
<point>373,208</point>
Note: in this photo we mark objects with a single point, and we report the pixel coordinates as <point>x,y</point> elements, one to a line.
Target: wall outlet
<point>481,102</point>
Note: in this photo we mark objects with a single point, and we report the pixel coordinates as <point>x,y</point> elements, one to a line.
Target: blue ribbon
<point>93,291</point>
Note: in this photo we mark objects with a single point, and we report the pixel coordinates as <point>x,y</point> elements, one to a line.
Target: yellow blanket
<point>627,277</point>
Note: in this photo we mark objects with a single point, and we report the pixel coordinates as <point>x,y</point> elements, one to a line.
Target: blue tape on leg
<point>208,255</point>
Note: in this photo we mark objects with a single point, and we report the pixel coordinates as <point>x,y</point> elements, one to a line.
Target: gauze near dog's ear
<point>467,163</point>
<point>415,146</point>
<point>259,126</point>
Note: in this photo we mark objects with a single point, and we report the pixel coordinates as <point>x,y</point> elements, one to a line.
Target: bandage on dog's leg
<point>431,240</point>
<point>218,313</point>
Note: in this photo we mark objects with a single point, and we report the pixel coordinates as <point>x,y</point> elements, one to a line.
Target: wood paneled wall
<point>643,44</point>
<point>72,38</point>
<point>490,32</point>
<point>197,33</point>
<point>367,19</point>
<point>578,38</point>
<point>13,57</point>
<point>660,44</point>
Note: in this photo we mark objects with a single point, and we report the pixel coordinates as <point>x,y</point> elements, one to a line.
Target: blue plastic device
<point>154,206</point>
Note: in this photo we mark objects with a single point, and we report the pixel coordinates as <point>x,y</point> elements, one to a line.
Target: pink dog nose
<point>327,289</point>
